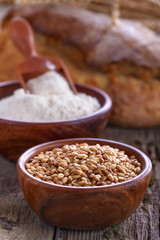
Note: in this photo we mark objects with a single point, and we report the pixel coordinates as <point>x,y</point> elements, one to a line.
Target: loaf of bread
<point>121,59</point>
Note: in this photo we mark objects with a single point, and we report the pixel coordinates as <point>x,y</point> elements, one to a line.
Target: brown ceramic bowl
<point>84,207</point>
<point>17,136</point>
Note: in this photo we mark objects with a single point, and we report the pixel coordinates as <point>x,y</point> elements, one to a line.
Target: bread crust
<point>124,64</point>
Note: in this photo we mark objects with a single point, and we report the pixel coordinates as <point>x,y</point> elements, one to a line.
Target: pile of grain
<point>82,165</point>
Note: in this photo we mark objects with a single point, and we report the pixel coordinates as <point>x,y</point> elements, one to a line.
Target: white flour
<point>50,99</point>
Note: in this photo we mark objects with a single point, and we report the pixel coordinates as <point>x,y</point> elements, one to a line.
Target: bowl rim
<point>106,107</point>
<point>25,156</point>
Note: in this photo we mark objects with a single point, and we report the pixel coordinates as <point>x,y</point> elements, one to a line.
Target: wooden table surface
<point>19,222</point>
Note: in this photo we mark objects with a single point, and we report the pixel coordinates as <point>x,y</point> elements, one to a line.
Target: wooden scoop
<point>21,33</point>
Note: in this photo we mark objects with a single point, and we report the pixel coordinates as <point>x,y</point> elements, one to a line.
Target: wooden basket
<point>146,11</point>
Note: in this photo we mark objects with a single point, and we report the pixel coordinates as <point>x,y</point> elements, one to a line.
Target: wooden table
<point>19,222</point>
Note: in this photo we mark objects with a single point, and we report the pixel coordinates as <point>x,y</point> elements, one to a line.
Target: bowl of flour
<point>48,111</point>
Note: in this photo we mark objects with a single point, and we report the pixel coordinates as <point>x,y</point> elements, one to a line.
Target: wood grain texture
<point>84,208</point>
<point>143,224</point>
<point>17,220</point>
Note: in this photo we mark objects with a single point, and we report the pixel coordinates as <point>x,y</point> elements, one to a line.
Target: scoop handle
<point>22,35</point>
